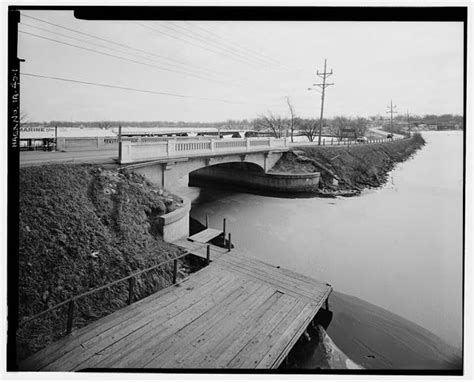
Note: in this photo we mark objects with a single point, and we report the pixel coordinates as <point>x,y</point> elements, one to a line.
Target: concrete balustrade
<point>131,152</point>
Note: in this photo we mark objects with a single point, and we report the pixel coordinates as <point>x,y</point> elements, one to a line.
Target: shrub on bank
<point>356,166</point>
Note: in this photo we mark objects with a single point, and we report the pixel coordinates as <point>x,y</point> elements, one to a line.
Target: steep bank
<point>82,227</point>
<point>349,168</point>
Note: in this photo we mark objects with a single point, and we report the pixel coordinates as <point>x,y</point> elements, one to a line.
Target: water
<point>399,247</point>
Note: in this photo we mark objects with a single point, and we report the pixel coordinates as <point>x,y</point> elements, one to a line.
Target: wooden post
<point>208,254</point>
<point>55,138</point>
<point>70,317</point>
<point>120,142</point>
<point>175,270</point>
<point>207,221</point>
<point>131,284</point>
<point>326,303</point>
<point>229,243</point>
<point>223,228</point>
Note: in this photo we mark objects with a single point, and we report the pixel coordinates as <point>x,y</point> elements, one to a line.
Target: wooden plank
<point>254,328</point>
<point>157,314</point>
<point>138,350</point>
<point>266,269</point>
<point>200,356</point>
<point>206,235</point>
<point>310,293</point>
<point>91,331</point>
<point>270,269</point>
<point>256,345</point>
<point>203,341</point>
<point>170,349</point>
<point>237,257</point>
<point>275,275</point>
<point>125,339</point>
<point>287,339</point>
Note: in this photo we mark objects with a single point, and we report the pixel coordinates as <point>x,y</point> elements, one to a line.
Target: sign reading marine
<point>36,132</point>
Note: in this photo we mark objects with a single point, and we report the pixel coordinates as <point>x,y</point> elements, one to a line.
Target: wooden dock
<point>205,235</point>
<point>236,313</point>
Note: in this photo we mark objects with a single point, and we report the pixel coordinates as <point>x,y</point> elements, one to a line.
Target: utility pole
<point>392,112</point>
<point>324,75</point>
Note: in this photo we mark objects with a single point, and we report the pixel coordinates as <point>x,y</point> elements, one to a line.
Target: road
<point>384,133</point>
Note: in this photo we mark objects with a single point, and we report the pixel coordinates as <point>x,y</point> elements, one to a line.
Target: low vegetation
<point>349,168</point>
<point>82,227</point>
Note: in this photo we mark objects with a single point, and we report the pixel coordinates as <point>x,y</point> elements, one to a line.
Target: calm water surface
<point>399,247</point>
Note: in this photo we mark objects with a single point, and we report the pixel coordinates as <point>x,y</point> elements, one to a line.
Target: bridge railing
<point>130,152</point>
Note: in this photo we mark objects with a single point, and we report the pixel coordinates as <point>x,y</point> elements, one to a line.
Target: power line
<point>131,89</point>
<point>122,58</point>
<point>269,59</point>
<point>196,71</point>
<point>219,45</point>
<point>279,63</point>
<point>111,41</point>
<point>83,40</point>
<point>193,43</point>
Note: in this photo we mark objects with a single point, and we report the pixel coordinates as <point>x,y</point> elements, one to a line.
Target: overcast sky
<point>235,70</point>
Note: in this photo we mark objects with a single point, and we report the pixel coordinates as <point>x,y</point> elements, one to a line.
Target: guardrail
<point>130,152</point>
<point>347,142</point>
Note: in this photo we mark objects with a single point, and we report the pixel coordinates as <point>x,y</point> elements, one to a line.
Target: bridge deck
<point>237,312</point>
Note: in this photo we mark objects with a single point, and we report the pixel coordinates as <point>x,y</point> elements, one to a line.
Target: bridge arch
<point>170,174</point>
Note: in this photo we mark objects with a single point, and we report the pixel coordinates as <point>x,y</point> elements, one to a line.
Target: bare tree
<point>292,117</point>
<point>308,127</point>
<point>359,125</point>
<point>275,125</point>
<point>338,126</point>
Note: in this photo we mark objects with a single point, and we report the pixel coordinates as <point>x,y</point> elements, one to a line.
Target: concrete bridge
<point>166,162</point>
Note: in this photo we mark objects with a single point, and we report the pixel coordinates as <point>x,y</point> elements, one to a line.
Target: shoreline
<point>321,171</point>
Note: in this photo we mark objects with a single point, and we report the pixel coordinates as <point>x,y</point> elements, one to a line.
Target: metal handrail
<point>73,299</point>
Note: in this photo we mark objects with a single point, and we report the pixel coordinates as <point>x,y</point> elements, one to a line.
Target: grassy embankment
<point>82,227</point>
<point>353,167</point>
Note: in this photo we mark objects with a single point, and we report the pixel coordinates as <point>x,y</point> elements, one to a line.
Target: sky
<point>215,70</point>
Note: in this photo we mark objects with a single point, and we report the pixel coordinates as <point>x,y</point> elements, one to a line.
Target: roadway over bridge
<point>166,162</point>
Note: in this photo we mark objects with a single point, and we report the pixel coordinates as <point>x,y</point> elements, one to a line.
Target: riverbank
<point>374,339</point>
<point>81,227</point>
<point>347,170</point>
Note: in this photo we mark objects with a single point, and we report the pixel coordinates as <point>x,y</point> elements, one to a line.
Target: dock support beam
<point>208,254</point>
<point>326,304</point>
<point>229,244</point>
<point>70,317</point>
<point>223,229</point>
<point>175,271</point>
<point>131,284</point>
